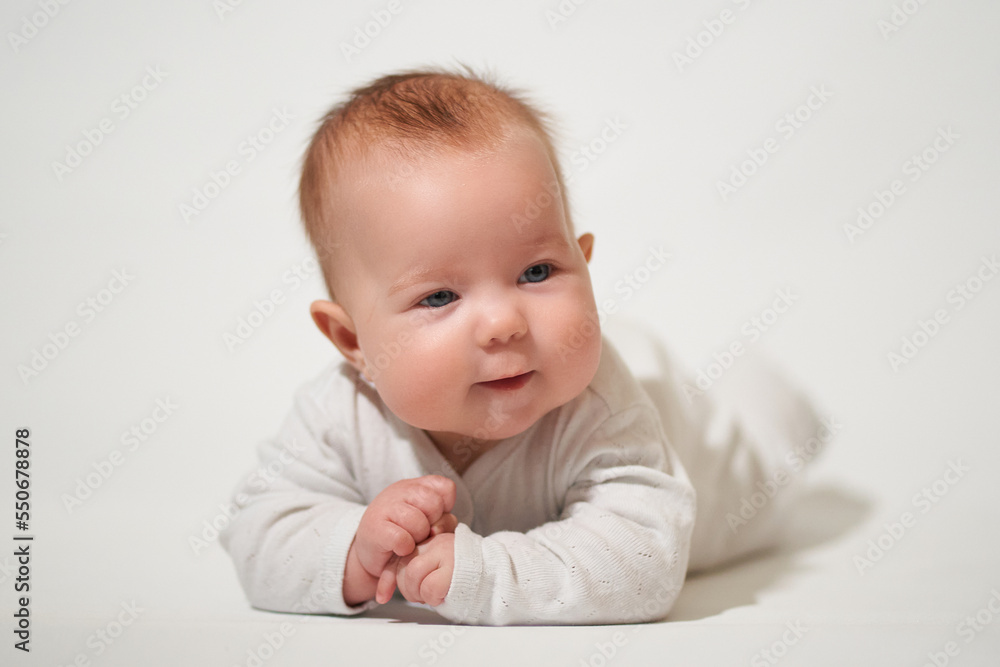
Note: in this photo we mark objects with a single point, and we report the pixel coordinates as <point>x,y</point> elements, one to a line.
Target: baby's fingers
<point>434,587</point>
<point>412,520</point>
<point>413,575</point>
<point>444,487</point>
<point>446,524</point>
<point>386,582</point>
<point>433,495</point>
<point>395,539</point>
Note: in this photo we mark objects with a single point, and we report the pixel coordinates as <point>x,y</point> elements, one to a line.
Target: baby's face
<point>470,300</point>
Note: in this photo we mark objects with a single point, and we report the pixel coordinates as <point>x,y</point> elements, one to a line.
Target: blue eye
<point>536,274</point>
<point>438,299</point>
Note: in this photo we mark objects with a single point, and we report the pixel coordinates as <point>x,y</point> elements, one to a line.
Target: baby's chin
<point>491,429</point>
<point>500,422</point>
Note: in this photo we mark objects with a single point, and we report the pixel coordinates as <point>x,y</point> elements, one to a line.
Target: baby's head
<point>435,203</point>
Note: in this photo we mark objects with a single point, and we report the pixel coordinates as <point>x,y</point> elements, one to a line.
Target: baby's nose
<point>501,320</point>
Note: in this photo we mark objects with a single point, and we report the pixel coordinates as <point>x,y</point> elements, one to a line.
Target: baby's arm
<point>297,516</point>
<point>305,539</point>
<point>618,552</point>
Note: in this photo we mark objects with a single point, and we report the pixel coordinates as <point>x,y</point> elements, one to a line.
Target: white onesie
<point>585,518</point>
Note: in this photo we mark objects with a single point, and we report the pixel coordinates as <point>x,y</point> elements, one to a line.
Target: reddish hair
<point>411,115</point>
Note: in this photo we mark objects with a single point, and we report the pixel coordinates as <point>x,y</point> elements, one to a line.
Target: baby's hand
<point>401,516</point>
<point>387,581</point>
<point>425,575</point>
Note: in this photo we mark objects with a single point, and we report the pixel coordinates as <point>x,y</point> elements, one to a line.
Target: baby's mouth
<point>508,383</point>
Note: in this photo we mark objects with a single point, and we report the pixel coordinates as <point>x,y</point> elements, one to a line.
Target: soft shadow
<point>398,610</point>
<point>823,514</point>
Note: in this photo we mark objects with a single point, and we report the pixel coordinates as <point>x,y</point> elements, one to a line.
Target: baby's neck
<point>461,451</point>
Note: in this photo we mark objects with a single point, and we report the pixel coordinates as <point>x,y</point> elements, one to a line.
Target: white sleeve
<point>297,516</point>
<point>617,554</point>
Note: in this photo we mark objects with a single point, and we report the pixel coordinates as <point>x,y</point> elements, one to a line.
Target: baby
<point>483,448</point>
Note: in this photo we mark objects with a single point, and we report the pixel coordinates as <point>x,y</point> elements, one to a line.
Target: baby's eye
<point>438,299</point>
<point>536,274</point>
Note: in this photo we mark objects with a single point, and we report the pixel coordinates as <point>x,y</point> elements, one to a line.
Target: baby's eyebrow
<point>545,241</point>
<point>411,277</point>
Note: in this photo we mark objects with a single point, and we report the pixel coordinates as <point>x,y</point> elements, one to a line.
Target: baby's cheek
<point>415,386</point>
<point>574,352</point>
<point>579,331</point>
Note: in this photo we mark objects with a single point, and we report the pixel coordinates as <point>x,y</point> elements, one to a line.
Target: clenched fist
<point>403,515</point>
<point>425,575</point>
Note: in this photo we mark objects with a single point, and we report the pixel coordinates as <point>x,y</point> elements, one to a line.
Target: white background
<point>686,127</point>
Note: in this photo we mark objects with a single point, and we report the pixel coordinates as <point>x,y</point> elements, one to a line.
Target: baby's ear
<point>337,325</point>
<point>586,245</point>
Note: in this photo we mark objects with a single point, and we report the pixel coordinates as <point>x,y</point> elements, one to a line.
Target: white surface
<point>655,185</point>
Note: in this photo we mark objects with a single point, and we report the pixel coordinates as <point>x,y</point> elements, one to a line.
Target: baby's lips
<point>509,382</point>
